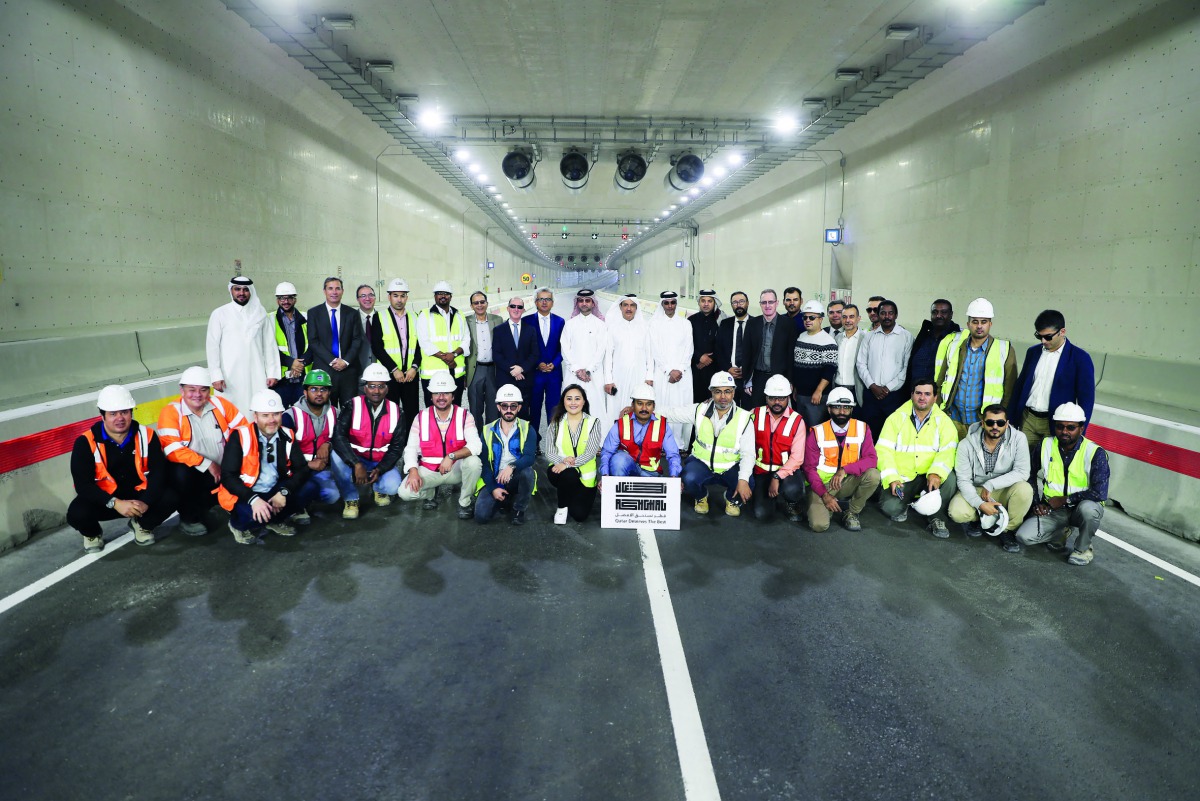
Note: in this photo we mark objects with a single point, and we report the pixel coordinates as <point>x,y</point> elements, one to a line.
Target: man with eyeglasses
<point>547,380</point>
<point>368,442</point>
<point>814,364</point>
<point>873,313</point>
<point>731,347</point>
<point>1055,372</point>
<point>841,465</point>
<point>991,469</point>
<point>444,338</point>
<point>443,450</point>
<point>1073,482</point>
<point>314,418</point>
<point>883,367</point>
<point>481,358</point>
<point>365,295</point>
<point>291,338</point>
<point>514,344</point>
<point>769,346</point>
<point>510,448</point>
<point>974,369</point>
<point>396,346</point>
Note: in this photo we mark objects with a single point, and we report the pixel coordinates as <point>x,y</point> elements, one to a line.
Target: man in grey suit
<point>481,371</point>
<point>335,342</point>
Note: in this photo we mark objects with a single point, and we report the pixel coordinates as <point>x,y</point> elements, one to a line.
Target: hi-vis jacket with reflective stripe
<point>240,466</point>
<point>647,455</point>
<point>1078,476</point>
<point>834,455</point>
<point>141,459</point>
<point>434,446</point>
<point>588,470</point>
<point>999,369</point>
<point>175,430</point>
<point>905,454</point>
<point>447,334</point>
<point>719,452</point>
<point>285,358</point>
<point>772,448</point>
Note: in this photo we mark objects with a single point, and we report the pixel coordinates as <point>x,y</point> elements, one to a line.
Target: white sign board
<point>627,502</point>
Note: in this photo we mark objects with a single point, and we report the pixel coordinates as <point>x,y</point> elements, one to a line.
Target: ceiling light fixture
<point>337,22</point>
<point>903,32</point>
<point>848,75</point>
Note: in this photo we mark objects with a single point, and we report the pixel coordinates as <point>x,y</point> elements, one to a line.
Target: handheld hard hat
<point>813,307</point>
<point>442,286</point>
<point>980,307</point>
<point>1070,413</point>
<point>777,387</point>
<point>266,400</point>
<point>318,378</point>
<point>643,392</point>
<point>509,394</point>
<point>840,396</point>
<point>397,285</point>
<point>195,377</point>
<point>721,379</point>
<point>993,525</point>
<point>442,381</point>
<point>115,398</point>
<point>929,503</point>
<point>375,372</point>
<point>285,288</point>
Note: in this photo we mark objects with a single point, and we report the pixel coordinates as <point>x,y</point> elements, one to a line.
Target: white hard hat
<point>929,503</point>
<point>993,525</point>
<point>285,288</point>
<point>980,307</point>
<point>266,400</point>
<point>195,377</point>
<point>442,286</point>
<point>1070,413</point>
<point>442,381</point>
<point>509,394</point>
<point>643,392</point>
<point>777,387</point>
<point>813,307</point>
<point>721,379</point>
<point>840,396</point>
<point>398,285</point>
<point>375,372</point>
<point>115,398</point>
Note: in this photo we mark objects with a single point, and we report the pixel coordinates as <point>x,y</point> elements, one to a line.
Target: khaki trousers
<point>857,488</point>
<point>1016,499</point>
<point>465,472</point>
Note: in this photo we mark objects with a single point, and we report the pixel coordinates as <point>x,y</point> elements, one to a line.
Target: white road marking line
<point>1151,558</point>
<point>699,780</point>
<point>33,589</point>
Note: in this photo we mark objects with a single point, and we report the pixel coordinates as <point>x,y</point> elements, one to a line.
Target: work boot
<point>140,535</point>
<point>972,530</point>
<point>243,537</point>
<point>429,504</point>
<point>93,544</point>
<point>938,529</point>
<point>1008,541</point>
<point>465,512</point>
<point>302,518</point>
<point>850,522</point>
<point>382,500</point>
<point>282,529</point>
<point>793,513</point>
<point>1081,557</point>
<point>350,510</point>
<point>733,508</point>
<point>701,506</point>
<point>518,517</point>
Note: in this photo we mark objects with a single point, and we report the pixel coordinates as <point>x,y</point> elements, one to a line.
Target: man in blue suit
<point>515,350</point>
<point>1055,372</point>
<point>547,376</point>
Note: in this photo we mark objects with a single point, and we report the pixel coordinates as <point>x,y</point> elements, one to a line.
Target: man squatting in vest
<point>314,418</point>
<point>1074,483</point>
<point>640,442</point>
<point>443,449</point>
<point>264,477</point>
<point>193,430</point>
<point>369,440</point>
<point>723,452</point>
<point>974,369</point>
<point>510,447</point>
<point>119,471</point>
<point>779,452</point>
<point>840,463</point>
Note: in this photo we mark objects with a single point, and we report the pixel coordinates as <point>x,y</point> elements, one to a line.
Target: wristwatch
<point>112,503</point>
<point>283,491</point>
<point>452,456</point>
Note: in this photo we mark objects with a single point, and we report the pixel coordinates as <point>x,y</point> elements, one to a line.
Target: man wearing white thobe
<point>585,347</point>
<point>671,352</point>
<point>242,356</point>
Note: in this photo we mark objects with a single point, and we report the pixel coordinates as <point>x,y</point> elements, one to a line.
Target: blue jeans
<point>622,464</point>
<point>242,518</point>
<point>343,474</point>
<point>696,478</point>
<point>327,490</point>
<point>520,491</point>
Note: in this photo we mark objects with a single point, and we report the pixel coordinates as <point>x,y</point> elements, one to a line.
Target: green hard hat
<point>318,378</point>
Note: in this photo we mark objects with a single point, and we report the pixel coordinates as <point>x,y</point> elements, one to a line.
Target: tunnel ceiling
<point>462,84</point>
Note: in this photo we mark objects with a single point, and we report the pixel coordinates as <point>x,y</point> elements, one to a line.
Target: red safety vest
<point>648,455</point>
<point>435,446</point>
<point>248,436</point>
<point>372,446</point>
<point>772,448</point>
<point>305,434</point>
<point>141,460</point>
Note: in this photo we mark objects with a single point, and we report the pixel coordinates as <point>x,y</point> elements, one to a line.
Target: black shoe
<point>793,512</point>
<point>1009,542</point>
<point>465,513</point>
<point>518,517</point>
<point>429,504</point>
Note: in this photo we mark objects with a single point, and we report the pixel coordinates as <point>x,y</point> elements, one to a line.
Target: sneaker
<point>972,530</point>
<point>350,510</point>
<point>383,500</point>
<point>465,512</point>
<point>140,535</point>
<point>701,506</point>
<point>850,522</point>
<point>429,504</point>
<point>243,537</point>
<point>282,529</point>
<point>1081,557</point>
<point>1058,543</point>
<point>1008,541</point>
<point>1072,538</point>
<point>93,544</point>
<point>793,513</point>
<point>560,516</point>
<point>518,517</point>
<point>302,518</point>
<point>196,529</point>
<point>733,509</point>
<point>938,529</point>
<point>900,518</point>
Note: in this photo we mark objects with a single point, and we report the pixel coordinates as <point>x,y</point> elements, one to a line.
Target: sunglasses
<point>808,318</point>
<point>1066,427</point>
<point>509,407</point>
<point>872,309</point>
<point>515,306</point>
<point>1046,337</point>
<point>995,423</point>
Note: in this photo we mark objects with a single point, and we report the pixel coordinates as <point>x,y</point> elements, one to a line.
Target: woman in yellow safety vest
<point>572,447</point>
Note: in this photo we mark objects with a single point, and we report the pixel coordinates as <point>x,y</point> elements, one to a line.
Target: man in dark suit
<point>731,346</point>
<point>515,347</point>
<point>335,342</point>
<point>481,360</point>
<point>547,377</point>
<point>769,343</point>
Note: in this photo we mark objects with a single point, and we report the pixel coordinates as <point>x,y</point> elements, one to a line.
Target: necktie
<point>737,344</point>
<point>337,346</point>
<point>516,336</point>
<point>402,333</point>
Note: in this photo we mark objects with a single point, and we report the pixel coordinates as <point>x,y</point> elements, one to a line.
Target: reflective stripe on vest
<point>648,454</point>
<point>833,457</point>
<point>173,439</point>
<point>391,338</point>
<point>309,440</point>
<point>1078,476</point>
<point>772,447</point>
<point>365,438</point>
<point>588,470</point>
<point>250,467</point>
<point>282,344</point>
<point>439,332</point>
<point>435,446</point>
<point>141,461</point>
<point>722,453</point>
<point>993,368</point>
<point>491,441</point>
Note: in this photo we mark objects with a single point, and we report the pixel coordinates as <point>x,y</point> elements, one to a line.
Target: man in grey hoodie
<point>992,469</point>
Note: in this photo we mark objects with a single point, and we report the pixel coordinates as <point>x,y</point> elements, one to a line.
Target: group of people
<point>793,403</point>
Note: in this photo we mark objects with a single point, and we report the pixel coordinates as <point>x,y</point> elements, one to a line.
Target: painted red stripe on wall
<point>1150,451</point>
<point>34,448</point>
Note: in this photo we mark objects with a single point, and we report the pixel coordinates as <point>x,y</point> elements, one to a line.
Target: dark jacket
<point>121,467</point>
<point>491,456</point>
<point>231,465</point>
<point>723,357</point>
<point>341,437</point>
<point>704,335</point>
<point>508,354</point>
<point>782,344</point>
<point>320,338</point>
<point>1074,381</point>
<point>926,338</point>
<point>548,352</point>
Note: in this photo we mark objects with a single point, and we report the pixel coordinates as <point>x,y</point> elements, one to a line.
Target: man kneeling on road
<point>368,442</point>
<point>641,443</point>
<point>443,449</point>
<point>264,477</point>
<point>840,463</point>
<point>992,470</point>
<point>510,447</point>
<point>779,446</point>
<point>916,452</point>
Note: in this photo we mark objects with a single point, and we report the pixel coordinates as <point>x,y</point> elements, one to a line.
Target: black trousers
<point>407,395</point>
<point>345,384</point>
<point>195,492</point>
<point>791,490</point>
<point>572,493</point>
<point>85,516</point>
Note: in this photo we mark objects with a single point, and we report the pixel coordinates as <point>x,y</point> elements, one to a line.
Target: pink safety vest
<point>360,429</point>
<point>434,447</point>
<point>304,431</point>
